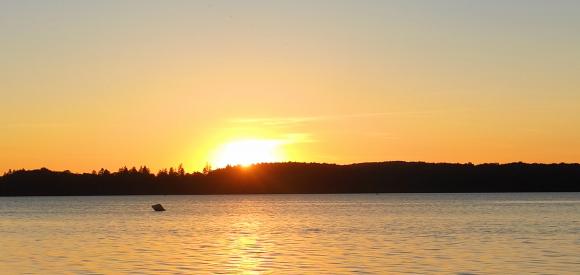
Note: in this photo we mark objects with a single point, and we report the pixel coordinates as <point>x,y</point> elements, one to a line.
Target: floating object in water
<point>158,207</point>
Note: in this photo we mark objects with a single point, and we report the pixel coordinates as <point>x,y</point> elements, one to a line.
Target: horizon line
<point>287,162</point>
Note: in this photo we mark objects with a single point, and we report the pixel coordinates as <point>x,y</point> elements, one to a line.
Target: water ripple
<point>292,234</point>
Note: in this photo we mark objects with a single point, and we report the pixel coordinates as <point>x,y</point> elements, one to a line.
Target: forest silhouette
<point>301,178</point>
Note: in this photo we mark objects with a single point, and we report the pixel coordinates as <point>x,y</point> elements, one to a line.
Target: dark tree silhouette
<point>162,173</point>
<point>207,168</point>
<point>277,178</point>
<point>180,170</point>
<point>144,170</point>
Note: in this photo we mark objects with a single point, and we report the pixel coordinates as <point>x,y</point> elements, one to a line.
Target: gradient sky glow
<point>90,84</point>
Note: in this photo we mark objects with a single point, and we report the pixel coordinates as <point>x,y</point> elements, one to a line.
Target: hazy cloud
<point>34,125</point>
<point>280,121</point>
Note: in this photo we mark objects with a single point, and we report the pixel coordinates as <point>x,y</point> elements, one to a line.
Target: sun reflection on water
<point>247,252</point>
<point>294,234</point>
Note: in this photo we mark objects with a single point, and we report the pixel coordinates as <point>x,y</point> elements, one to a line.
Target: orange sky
<point>113,83</point>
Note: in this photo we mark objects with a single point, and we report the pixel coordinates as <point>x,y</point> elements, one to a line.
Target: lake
<point>293,234</point>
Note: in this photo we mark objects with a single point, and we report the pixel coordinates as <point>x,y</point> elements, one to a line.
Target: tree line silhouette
<point>294,177</point>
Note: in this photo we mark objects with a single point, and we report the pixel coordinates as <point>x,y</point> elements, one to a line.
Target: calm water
<point>293,234</point>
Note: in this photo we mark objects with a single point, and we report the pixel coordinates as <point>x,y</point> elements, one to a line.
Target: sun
<point>247,152</point>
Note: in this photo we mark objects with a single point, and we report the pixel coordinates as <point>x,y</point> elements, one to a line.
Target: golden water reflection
<point>245,249</point>
<point>292,234</point>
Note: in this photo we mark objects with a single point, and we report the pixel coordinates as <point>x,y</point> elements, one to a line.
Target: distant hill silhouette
<point>291,177</point>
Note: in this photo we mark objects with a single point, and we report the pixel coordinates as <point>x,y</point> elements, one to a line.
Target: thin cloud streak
<point>293,138</point>
<point>34,125</point>
<point>280,121</point>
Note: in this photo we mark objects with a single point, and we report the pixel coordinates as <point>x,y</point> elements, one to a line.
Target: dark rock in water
<point>158,207</point>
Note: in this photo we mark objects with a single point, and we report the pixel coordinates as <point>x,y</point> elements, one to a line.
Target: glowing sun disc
<point>248,152</point>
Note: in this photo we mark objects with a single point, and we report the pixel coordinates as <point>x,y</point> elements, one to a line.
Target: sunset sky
<point>91,84</point>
